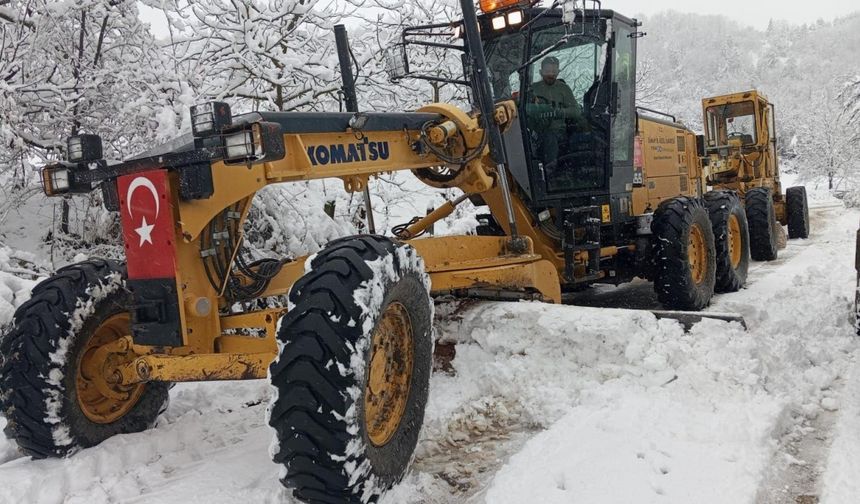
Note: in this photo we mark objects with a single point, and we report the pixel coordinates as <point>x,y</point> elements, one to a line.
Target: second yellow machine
<point>741,156</point>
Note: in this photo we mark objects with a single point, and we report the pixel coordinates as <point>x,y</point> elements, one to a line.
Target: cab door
<point>623,124</point>
<point>566,116</point>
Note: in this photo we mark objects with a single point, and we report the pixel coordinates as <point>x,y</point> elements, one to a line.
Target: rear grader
<point>581,188</point>
<point>740,148</point>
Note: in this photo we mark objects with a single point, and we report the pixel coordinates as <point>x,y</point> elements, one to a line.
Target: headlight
<point>499,22</point>
<point>84,148</point>
<point>515,18</point>
<point>55,180</point>
<point>210,118</point>
<point>262,141</point>
<point>240,146</point>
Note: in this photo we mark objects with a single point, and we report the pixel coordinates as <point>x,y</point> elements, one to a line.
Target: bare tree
<point>828,143</point>
<point>276,55</point>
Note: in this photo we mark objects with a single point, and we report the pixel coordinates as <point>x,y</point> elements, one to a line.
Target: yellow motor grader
<point>581,189</point>
<point>740,147</point>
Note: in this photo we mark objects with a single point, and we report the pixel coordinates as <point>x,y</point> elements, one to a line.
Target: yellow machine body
<point>667,164</point>
<point>214,347</point>
<point>226,347</point>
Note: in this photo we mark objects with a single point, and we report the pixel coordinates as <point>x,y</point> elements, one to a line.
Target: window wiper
<point>546,51</point>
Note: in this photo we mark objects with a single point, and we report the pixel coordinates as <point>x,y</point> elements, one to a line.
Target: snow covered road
<point>560,404</point>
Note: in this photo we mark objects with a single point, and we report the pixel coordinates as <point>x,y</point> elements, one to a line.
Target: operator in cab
<point>553,112</point>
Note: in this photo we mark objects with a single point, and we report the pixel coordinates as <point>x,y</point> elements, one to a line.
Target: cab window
<point>731,124</point>
<point>564,109</point>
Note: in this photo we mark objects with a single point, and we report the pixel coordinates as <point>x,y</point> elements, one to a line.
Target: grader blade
<point>689,319</point>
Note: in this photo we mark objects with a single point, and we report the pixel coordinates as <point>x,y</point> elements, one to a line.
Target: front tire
<point>731,239</point>
<point>49,398</point>
<point>797,208</point>
<point>764,244</point>
<point>684,256</point>
<point>352,376</point>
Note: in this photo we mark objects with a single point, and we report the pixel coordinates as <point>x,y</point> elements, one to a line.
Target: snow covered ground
<point>556,404</point>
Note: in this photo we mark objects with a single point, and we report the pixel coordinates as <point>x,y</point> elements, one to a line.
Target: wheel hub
<point>390,374</point>
<point>735,241</point>
<point>697,254</point>
<point>101,398</point>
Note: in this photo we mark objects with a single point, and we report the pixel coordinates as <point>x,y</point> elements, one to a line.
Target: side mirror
<point>396,62</point>
<point>568,11</point>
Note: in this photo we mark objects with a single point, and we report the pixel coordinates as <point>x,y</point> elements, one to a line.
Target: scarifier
<point>741,156</point>
<point>581,188</point>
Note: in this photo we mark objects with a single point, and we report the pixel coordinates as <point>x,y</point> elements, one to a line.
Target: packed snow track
<point>558,404</point>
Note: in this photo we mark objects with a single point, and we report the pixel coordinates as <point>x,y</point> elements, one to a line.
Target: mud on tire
<point>685,267</point>
<point>731,239</point>
<point>330,437</point>
<point>764,244</point>
<point>41,354</point>
<point>797,211</point>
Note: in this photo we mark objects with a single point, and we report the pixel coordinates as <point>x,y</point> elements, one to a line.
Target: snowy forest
<point>70,67</point>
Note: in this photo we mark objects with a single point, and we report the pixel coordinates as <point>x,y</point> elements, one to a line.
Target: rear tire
<point>797,208</point>
<point>48,414</point>
<point>761,216</point>
<point>684,256</point>
<point>731,239</point>
<point>346,415</point>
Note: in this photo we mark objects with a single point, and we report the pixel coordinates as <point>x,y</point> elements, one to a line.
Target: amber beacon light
<point>488,6</point>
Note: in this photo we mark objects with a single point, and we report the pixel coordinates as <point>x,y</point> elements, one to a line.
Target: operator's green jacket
<point>559,99</point>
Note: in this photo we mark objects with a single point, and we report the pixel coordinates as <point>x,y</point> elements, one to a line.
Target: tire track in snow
<point>798,463</point>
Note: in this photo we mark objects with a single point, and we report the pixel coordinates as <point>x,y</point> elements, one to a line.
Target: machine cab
<point>738,120</point>
<point>574,84</point>
<point>740,137</point>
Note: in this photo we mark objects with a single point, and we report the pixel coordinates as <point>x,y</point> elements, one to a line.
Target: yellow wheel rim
<point>735,241</point>
<point>101,401</point>
<point>697,253</point>
<point>390,374</point>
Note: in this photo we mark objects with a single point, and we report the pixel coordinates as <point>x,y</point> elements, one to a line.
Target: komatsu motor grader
<point>580,188</point>
<point>740,148</point>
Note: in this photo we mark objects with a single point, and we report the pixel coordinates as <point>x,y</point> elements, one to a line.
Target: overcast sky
<point>754,12</point>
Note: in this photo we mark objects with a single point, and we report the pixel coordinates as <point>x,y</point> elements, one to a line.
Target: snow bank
<point>634,439</point>
<point>14,287</point>
<point>840,484</point>
<point>210,446</point>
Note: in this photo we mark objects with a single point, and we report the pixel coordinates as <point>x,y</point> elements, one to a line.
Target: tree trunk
<point>64,216</point>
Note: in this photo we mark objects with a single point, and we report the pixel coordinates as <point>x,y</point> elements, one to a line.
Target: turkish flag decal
<point>147,224</point>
